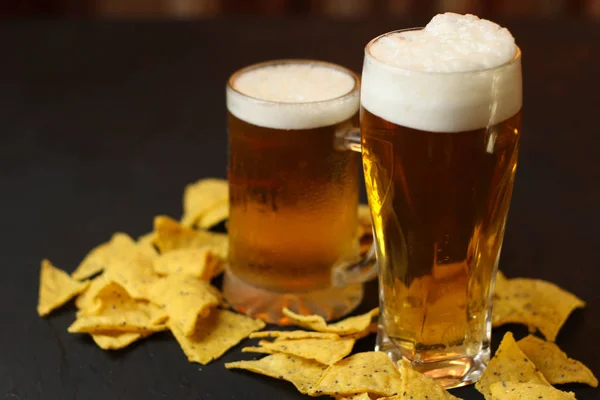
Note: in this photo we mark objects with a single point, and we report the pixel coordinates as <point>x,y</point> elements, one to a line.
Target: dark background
<point>102,124</point>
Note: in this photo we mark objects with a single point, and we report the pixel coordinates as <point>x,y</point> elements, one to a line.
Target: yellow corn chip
<point>146,245</point>
<point>200,263</point>
<point>534,303</point>
<point>56,288</point>
<point>257,349</point>
<point>215,334</point>
<point>299,371</point>
<point>119,246</point>
<point>213,216</point>
<point>117,311</point>
<point>554,364</point>
<point>325,351</point>
<point>202,197</point>
<point>508,364</point>
<point>358,396</point>
<point>344,327</point>
<point>416,386</point>
<point>170,235</point>
<point>115,340</point>
<point>134,273</point>
<point>370,372</point>
<point>285,335</point>
<point>87,300</point>
<point>185,299</point>
<point>527,391</point>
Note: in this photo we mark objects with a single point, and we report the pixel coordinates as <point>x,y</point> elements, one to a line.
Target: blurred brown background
<point>346,9</point>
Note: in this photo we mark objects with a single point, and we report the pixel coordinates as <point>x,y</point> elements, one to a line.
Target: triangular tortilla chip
<point>146,245</point>
<point>416,386</point>
<point>508,364</point>
<point>200,263</point>
<point>554,364</point>
<point>299,371</point>
<point>185,299</point>
<point>286,335</point>
<point>344,327</point>
<point>535,303</point>
<point>213,216</point>
<point>215,334</point>
<point>170,235</point>
<point>115,340</point>
<point>202,197</point>
<point>527,391</point>
<point>370,372</point>
<point>117,311</point>
<point>56,288</point>
<point>325,351</point>
<point>134,273</point>
<point>119,246</point>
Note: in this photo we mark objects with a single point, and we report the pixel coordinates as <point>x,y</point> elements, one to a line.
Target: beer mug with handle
<point>293,194</point>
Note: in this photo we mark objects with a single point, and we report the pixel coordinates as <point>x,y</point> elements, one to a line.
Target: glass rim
<point>352,92</point>
<point>512,61</point>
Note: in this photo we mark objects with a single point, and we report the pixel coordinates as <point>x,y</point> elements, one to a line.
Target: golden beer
<point>293,201</point>
<point>293,196</point>
<point>440,152</point>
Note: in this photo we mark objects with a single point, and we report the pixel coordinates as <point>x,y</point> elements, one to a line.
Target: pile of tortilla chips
<point>129,289</point>
<point>527,369</point>
<point>318,362</point>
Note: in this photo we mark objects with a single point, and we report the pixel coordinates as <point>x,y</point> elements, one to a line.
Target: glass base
<point>331,303</point>
<point>450,372</point>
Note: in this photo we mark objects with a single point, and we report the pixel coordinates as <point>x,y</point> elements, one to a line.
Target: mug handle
<point>365,269</point>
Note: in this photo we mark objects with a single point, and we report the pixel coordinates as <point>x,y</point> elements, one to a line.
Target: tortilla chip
<point>527,391</point>
<point>370,372</point>
<point>325,351</point>
<point>535,303</point>
<point>508,364</point>
<point>170,235</point>
<point>213,216</point>
<point>87,300</point>
<point>119,246</point>
<point>285,335</point>
<point>554,364</point>
<point>358,396</point>
<point>215,334</point>
<point>117,311</point>
<point>134,273</point>
<point>344,327</point>
<point>202,197</point>
<point>416,386</point>
<point>115,340</point>
<point>299,371</point>
<point>146,244</point>
<point>56,288</point>
<point>258,349</point>
<point>185,299</point>
<point>200,263</point>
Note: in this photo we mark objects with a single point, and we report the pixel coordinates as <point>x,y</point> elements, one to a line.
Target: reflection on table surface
<point>348,9</point>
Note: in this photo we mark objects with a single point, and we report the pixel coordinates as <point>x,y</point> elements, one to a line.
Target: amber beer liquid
<point>440,145</point>
<point>293,196</point>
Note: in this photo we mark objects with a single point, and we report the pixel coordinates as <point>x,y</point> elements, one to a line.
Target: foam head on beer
<point>459,73</point>
<point>293,95</point>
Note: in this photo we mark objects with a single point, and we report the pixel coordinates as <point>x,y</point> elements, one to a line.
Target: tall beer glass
<point>293,195</point>
<point>440,126</point>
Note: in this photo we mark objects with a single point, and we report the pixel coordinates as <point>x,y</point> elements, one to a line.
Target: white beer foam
<point>293,95</point>
<point>459,73</point>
